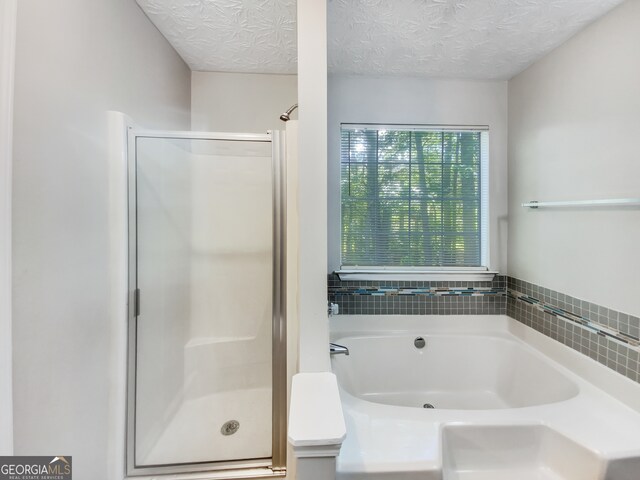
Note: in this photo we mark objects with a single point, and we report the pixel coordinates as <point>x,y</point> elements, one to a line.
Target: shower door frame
<point>276,465</point>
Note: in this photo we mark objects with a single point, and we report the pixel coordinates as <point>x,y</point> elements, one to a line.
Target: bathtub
<point>474,398</point>
<point>451,371</point>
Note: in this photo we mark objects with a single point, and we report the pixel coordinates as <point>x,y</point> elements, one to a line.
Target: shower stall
<point>207,321</point>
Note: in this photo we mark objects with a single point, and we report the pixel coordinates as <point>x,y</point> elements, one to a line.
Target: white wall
<point>292,271</point>
<point>74,61</point>
<point>7,52</point>
<point>240,102</point>
<point>574,122</point>
<point>312,186</point>
<point>360,99</point>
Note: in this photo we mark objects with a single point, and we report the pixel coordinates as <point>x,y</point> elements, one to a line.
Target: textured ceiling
<point>253,36</point>
<point>482,39</point>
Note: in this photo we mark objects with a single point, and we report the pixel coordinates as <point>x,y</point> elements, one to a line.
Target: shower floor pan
<point>195,432</point>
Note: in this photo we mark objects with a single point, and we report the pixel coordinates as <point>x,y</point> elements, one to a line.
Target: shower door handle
<point>136,302</point>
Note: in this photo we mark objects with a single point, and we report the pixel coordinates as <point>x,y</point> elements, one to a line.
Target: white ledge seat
<point>316,422</point>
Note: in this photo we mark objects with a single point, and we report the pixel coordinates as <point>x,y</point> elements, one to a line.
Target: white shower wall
<point>231,270</point>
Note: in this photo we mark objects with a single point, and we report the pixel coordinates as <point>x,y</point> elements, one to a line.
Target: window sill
<point>458,275</point>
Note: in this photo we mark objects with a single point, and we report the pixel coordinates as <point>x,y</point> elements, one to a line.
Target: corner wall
<point>74,62</point>
<point>574,121</point>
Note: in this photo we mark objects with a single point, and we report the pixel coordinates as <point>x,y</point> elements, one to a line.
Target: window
<point>414,197</point>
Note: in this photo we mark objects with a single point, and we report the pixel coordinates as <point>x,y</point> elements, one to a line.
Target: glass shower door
<point>204,309</point>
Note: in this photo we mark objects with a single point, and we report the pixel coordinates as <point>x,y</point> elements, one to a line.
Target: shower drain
<point>230,427</point>
<point>428,405</point>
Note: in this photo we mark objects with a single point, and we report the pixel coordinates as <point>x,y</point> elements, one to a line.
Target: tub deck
<point>400,442</point>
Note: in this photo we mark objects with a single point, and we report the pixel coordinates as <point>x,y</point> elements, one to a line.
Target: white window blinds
<point>413,196</point>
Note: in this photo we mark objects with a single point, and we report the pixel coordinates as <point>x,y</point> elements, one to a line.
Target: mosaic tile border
<point>565,315</point>
<point>427,291</point>
<point>607,336</point>
<point>418,298</point>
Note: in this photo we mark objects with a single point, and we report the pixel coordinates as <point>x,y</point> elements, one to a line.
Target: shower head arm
<point>286,116</point>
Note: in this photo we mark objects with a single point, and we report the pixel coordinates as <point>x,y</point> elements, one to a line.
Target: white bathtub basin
<point>452,371</point>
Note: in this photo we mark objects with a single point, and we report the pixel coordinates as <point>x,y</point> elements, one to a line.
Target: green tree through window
<point>411,198</point>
